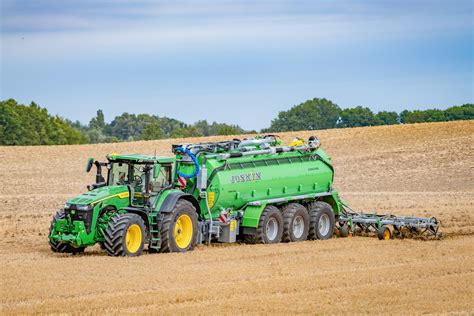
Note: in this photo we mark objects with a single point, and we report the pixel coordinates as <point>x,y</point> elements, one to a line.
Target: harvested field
<point>419,169</point>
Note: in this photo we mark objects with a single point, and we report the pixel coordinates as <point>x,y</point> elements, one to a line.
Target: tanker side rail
<point>387,226</point>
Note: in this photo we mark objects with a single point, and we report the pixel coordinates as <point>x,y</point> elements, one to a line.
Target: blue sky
<point>234,61</point>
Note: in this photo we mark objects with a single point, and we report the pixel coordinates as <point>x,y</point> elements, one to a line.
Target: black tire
<point>384,233</point>
<point>116,235</point>
<point>317,211</point>
<point>59,246</point>
<point>292,212</point>
<point>261,236</point>
<point>168,242</point>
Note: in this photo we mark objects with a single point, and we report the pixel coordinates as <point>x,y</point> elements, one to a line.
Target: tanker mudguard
<point>252,215</point>
<point>172,198</point>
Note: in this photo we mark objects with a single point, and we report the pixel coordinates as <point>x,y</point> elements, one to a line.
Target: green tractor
<point>254,190</point>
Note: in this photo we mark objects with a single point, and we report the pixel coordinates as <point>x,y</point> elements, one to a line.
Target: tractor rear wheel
<point>179,228</point>
<point>270,227</point>
<point>295,223</point>
<point>125,235</point>
<point>321,220</point>
<point>59,246</point>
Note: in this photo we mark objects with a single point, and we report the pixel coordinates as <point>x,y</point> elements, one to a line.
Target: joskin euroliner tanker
<point>254,190</point>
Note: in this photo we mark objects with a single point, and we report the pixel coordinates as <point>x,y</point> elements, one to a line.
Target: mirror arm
<point>98,177</point>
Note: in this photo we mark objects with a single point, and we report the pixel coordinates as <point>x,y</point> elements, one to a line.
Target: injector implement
<point>255,190</point>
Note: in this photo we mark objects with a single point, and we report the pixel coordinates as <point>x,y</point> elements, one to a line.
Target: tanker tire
<point>115,235</point>
<point>270,215</point>
<point>59,246</point>
<point>317,211</point>
<point>168,243</point>
<point>292,231</point>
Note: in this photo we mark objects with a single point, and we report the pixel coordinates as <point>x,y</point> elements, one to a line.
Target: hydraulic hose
<point>192,175</point>
<point>194,159</point>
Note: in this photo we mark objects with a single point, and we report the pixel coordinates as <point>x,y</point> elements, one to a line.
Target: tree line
<point>32,125</point>
<point>323,114</point>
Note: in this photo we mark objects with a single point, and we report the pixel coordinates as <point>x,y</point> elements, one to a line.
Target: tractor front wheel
<point>59,246</point>
<point>125,235</point>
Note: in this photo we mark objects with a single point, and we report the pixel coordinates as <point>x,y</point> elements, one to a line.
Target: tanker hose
<point>194,159</point>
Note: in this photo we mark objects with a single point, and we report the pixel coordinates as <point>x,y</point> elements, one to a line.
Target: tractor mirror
<point>90,163</point>
<point>156,170</point>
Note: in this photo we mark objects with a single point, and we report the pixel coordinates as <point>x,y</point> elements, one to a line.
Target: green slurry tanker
<point>253,190</point>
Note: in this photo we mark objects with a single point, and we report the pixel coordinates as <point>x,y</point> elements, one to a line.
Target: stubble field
<point>420,169</point>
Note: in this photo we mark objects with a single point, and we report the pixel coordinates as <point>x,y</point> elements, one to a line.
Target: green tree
<point>463,112</point>
<point>130,126</point>
<point>152,131</point>
<point>203,127</point>
<point>358,116</point>
<point>386,118</point>
<point>184,132</point>
<point>168,125</point>
<point>310,115</point>
<point>225,129</point>
<point>33,125</point>
<point>11,128</point>
<point>420,116</point>
<point>98,122</point>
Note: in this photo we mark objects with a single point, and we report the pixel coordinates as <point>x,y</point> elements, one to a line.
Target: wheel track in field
<point>329,274</point>
<point>123,295</point>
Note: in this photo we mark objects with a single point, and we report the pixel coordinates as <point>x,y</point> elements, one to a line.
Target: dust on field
<point>419,169</point>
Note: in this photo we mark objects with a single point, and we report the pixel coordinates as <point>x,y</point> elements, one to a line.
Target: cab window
<point>118,174</point>
<point>163,180</point>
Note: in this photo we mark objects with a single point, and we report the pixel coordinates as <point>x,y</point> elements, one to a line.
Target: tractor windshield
<point>122,173</point>
<point>129,173</point>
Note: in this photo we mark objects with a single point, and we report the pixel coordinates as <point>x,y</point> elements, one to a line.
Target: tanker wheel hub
<point>324,224</point>
<point>272,229</point>
<point>298,226</point>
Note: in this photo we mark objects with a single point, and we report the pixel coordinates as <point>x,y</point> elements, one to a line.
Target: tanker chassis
<point>252,190</point>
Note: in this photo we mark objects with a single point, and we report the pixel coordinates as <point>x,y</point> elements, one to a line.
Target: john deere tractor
<point>254,190</point>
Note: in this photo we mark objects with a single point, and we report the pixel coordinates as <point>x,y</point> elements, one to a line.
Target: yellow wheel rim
<point>133,238</point>
<point>183,231</point>
<point>386,234</point>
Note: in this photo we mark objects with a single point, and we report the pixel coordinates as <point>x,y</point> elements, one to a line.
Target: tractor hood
<point>100,194</point>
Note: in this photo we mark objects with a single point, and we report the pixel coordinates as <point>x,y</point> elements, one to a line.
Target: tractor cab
<point>145,176</point>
